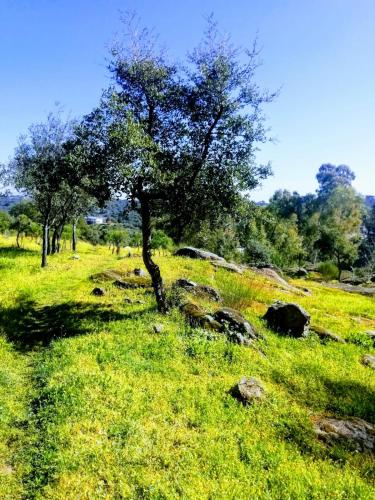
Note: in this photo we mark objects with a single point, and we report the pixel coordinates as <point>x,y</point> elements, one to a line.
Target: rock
<point>299,272</point>
<point>98,292</point>
<point>369,360</point>
<point>345,287</point>
<point>371,334</point>
<point>200,290</point>
<point>132,283</point>
<point>197,316</point>
<point>356,432</point>
<point>229,266</point>
<point>128,301</point>
<point>139,301</point>
<point>158,328</point>
<point>271,274</point>
<point>197,253</point>
<point>235,323</point>
<point>326,334</point>
<point>107,275</point>
<point>185,283</point>
<point>288,318</point>
<point>139,272</point>
<point>75,257</point>
<point>372,279</point>
<point>248,390</point>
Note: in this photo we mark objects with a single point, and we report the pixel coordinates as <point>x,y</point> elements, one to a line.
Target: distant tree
<point>24,227</point>
<point>5,221</point>
<point>160,240</point>
<point>340,226</point>
<point>26,207</point>
<point>40,169</point>
<point>180,143</point>
<point>118,238</point>
<point>330,177</point>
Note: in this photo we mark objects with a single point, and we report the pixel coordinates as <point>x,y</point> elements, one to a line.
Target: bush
<point>329,270</point>
<point>257,252</point>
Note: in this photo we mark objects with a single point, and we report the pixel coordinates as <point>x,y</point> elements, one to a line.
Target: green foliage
<point>5,221</point>
<point>328,270</point>
<point>160,240</point>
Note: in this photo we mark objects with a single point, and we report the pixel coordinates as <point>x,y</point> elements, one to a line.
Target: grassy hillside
<point>94,404</point>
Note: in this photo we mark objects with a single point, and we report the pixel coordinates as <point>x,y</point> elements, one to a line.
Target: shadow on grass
<point>28,325</point>
<point>344,398</point>
<point>14,251</point>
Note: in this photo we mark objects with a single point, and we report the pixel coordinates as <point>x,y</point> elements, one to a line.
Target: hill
<point>95,404</point>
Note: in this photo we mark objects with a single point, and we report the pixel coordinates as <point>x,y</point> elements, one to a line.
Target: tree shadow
<point>345,397</point>
<point>14,251</point>
<point>28,325</point>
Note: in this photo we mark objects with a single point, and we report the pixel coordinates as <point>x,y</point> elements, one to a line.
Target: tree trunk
<point>54,242</point>
<point>60,230</point>
<point>49,246</point>
<point>45,244</point>
<point>18,239</point>
<point>152,268</point>
<point>74,236</point>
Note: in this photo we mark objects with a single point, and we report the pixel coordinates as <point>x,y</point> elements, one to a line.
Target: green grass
<point>93,404</point>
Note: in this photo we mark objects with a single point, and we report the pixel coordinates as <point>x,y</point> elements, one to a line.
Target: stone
<point>197,253</point>
<point>371,334</point>
<point>139,272</point>
<point>271,274</point>
<point>198,317</point>
<point>158,328</point>
<point>355,432</point>
<point>229,266</point>
<point>369,360</point>
<point>235,323</point>
<point>299,272</point>
<point>288,318</point>
<point>107,275</point>
<point>200,290</point>
<point>345,287</point>
<point>248,390</point>
<point>75,257</point>
<point>139,301</point>
<point>326,334</point>
<point>98,292</point>
<point>132,283</point>
<point>128,301</point>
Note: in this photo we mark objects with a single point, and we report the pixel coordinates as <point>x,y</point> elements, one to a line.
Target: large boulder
<point>298,272</point>
<point>355,432</point>
<point>288,318</point>
<point>233,322</point>
<point>197,253</point>
<point>248,390</point>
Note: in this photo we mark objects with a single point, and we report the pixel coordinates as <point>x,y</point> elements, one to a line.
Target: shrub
<point>329,270</point>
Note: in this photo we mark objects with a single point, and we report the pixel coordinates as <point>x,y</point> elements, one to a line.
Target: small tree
<point>161,241</point>
<point>5,221</point>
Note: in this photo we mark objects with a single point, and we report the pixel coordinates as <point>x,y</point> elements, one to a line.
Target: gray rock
<point>139,301</point>
<point>248,390</point>
<point>369,360</point>
<point>200,290</point>
<point>371,334</point>
<point>197,316</point>
<point>158,328</point>
<point>299,272</point>
<point>235,323</point>
<point>326,334</point>
<point>229,266</point>
<point>75,257</point>
<point>355,432</point>
<point>345,287</point>
<point>98,292</point>
<point>288,318</point>
<point>139,272</point>
<point>128,301</point>
<point>197,253</point>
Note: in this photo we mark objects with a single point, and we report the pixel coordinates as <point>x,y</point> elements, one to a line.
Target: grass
<point>93,404</point>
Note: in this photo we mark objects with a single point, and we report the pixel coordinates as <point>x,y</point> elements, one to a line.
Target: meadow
<point>95,405</point>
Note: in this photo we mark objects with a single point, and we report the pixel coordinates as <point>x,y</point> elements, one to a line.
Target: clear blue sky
<point>320,51</point>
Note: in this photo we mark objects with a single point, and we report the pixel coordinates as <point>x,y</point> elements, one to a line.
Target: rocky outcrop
<point>345,287</point>
<point>204,291</point>
<point>139,272</point>
<point>198,317</point>
<point>229,266</point>
<point>369,360</point>
<point>197,253</point>
<point>98,292</point>
<point>248,391</point>
<point>354,432</point>
<point>326,335</point>
<point>298,272</point>
<point>234,322</point>
<point>288,318</point>
<point>273,275</point>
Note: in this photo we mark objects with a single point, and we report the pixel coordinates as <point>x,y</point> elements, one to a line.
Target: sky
<point>319,53</point>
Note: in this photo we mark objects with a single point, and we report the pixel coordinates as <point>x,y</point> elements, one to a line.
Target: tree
<point>39,168</point>
<point>179,142</point>
<point>24,227</point>
<point>330,177</point>
<point>118,237</point>
<point>160,240</point>
<point>5,221</point>
<point>340,226</point>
